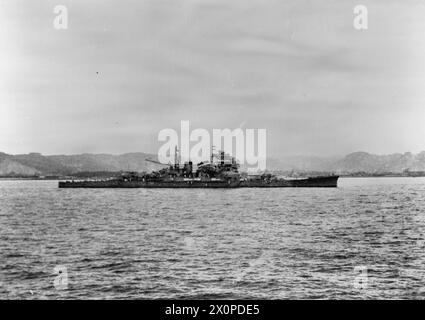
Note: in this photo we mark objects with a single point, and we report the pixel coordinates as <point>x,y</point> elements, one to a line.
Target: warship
<point>221,171</point>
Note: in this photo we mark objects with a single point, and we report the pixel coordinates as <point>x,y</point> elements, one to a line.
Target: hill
<point>38,164</point>
<point>358,162</point>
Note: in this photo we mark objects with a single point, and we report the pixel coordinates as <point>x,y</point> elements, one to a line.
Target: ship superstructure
<point>221,171</point>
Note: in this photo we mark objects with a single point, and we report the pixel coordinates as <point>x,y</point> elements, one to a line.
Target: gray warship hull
<point>310,182</point>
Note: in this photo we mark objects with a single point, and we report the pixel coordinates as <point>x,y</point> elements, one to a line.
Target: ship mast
<point>176,158</point>
<point>212,154</point>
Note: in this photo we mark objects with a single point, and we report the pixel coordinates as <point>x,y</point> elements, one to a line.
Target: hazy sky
<point>124,70</point>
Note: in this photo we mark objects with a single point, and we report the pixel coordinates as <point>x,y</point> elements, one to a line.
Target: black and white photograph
<point>214,150</point>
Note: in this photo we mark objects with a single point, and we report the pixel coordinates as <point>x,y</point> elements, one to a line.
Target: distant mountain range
<point>354,163</point>
<point>37,164</point>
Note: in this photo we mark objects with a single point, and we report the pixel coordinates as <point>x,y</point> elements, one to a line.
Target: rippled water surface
<point>365,239</point>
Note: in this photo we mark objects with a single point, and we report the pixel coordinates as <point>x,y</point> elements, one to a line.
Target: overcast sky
<point>124,70</point>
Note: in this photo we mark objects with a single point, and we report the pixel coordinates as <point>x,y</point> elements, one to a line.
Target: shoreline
<point>79,178</point>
